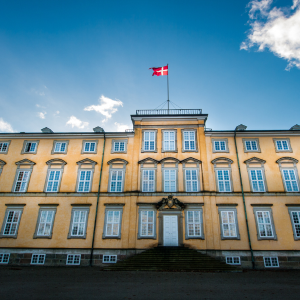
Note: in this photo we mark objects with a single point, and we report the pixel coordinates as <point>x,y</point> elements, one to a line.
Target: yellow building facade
<point>99,197</point>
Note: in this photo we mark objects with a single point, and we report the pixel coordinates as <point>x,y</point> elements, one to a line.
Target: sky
<point>74,65</point>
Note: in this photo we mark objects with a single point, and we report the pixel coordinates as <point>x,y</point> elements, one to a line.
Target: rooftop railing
<point>169,112</point>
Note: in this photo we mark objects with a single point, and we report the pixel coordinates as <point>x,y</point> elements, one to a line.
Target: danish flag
<point>160,71</point>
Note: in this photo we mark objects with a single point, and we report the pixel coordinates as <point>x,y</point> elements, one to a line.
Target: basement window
<point>233,260</point>
<point>271,262</point>
<point>73,259</point>
<point>109,259</point>
<point>4,258</point>
<point>38,259</point>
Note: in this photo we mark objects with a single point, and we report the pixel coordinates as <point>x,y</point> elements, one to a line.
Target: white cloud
<point>42,115</point>
<point>122,127</point>
<point>56,113</point>
<point>74,122</point>
<point>277,29</point>
<point>5,127</point>
<point>106,107</point>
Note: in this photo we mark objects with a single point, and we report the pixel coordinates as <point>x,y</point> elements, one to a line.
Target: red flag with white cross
<point>160,71</point>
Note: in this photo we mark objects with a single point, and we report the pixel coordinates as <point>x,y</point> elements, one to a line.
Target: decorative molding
<point>2,162</point>
<point>226,204</point>
<point>116,160</point>
<point>219,160</point>
<point>25,162</point>
<point>261,204</point>
<point>56,161</point>
<point>81,204</point>
<point>254,160</point>
<point>86,161</point>
<point>169,158</point>
<point>170,201</point>
<point>114,204</point>
<point>295,127</point>
<point>145,160</point>
<point>193,159</point>
<point>289,159</point>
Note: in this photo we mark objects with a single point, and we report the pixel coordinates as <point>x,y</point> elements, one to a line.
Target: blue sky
<point>60,57</point>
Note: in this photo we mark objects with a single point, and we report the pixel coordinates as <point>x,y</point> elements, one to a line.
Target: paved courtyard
<point>91,283</point>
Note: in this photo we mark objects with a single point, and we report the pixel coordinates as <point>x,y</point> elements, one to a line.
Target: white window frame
<point>2,143</point>
<point>226,210</point>
<point>113,147</point>
<point>233,260</point>
<point>14,209</point>
<point>25,186</point>
<point>55,149</point>
<point>73,259</point>
<point>258,181</point>
<point>53,180</point>
<point>251,141</point>
<point>148,181</point>
<point>154,140</point>
<point>4,258</point>
<point>31,151</point>
<point>169,141</point>
<point>259,209</point>
<point>114,190</point>
<point>283,173</point>
<point>273,261</point>
<point>214,148</point>
<point>108,210</point>
<point>294,213</point>
<point>164,180</point>
<point>40,259</point>
<point>84,181</point>
<point>109,259</point>
<point>192,210</point>
<point>218,181</point>
<point>287,140</point>
<point>142,210</point>
<point>88,151</point>
<point>81,210</point>
<point>50,223</point>
<point>192,180</point>
<point>189,140</point>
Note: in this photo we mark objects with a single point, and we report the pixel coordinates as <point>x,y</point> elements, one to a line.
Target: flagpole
<point>168,89</point>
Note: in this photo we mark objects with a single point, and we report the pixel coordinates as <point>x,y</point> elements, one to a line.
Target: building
<point>170,181</point>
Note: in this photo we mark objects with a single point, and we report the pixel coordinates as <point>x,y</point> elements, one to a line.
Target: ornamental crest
<point>170,201</point>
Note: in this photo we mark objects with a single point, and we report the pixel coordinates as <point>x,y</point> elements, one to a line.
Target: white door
<point>170,231</point>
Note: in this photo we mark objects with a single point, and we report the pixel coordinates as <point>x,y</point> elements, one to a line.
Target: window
<point>4,146</point>
<point>257,180</point>
<point>119,147</point>
<point>117,170</point>
<point>223,177</point>
<point>116,181</point>
<point>60,147</point>
<point>228,222</point>
<point>11,222</point>
<point>194,222</point>
<point>149,141</point>
<point>22,181</point>
<point>191,181</point>
<point>30,147</point>
<point>53,181</point>
<point>78,222</point>
<point>271,262</point>
<point>282,145</point>
<point>264,223</point>
<point>4,258</point>
<point>109,259</point>
<point>170,180</point>
<point>189,140</point>
<point>251,145</point>
<point>148,181</point>
<point>147,223</point>
<point>73,259</point>
<point>295,218</point>
<point>169,141</point>
<point>45,222</point>
<point>2,164</point>
<point>38,259</point>
<point>233,260</point>
<point>290,180</point>
<point>113,221</point>
<point>220,145</point>
<point>84,182</point>
<point>89,147</point>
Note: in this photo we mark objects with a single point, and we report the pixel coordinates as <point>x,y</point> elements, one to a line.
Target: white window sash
<point>223,177</point>
<point>251,145</point>
<point>53,181</point>
<point>147,222</point>
<point>119,146</point>
<point>12,222</point>
<point>220,145</point>
<point>84,182</point>
<point>79,223</point>
<point>290,180</point>
<point>194,223</point>
<point>149,140</point>
<point>148,181</point>
<point>296,222</point>
<point>116,181</point>
<point>228,224</point>
<point>257,180</point>
<point>3,147</point>
<point>45,223</point>
<point>89,147</point>
<point>170,180</point>
<point>169,140</point>
<point>60,147</point>
<point>73,259</point>
<point>189,142</point>
<point>264,224</point>
<point>191,180</point>
<point>22,181</point>
<point>30,147</point>
<point>113,218</point>
<point>282,145</point>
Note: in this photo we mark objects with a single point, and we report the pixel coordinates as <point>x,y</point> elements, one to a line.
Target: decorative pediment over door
<point>168,203</point>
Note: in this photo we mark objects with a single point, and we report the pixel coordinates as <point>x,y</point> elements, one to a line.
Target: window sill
<point>77,237</point>
<point>43,237</point>
<point>230,238</point>
<point>147,238</point>
<point>111,237</point>
<point>195,238</point>
<point>148,151</point>
<point>2,236</point>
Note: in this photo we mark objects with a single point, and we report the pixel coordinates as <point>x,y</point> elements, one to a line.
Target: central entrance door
<point>170,231</point>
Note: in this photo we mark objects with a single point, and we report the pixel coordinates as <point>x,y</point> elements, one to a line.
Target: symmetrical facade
<point>76,198</point>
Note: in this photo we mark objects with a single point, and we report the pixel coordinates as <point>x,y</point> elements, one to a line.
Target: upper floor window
<point>148,180</point>
<point>11,221</point>
<point>22,175</point>
<point>54,174</point>
<point>282,145</point>
<point>169,140</point>
<point>4,146</point>
<point>289,173</point>
<point>251,145</point>
<point>113,221</point>
<point>85,175</point>
<point>189,140</point>
<point>116,175</point>
<point>191,180</point>
<point>89,147</point>
<point>2,164</point>
<point>222,168</point>
<point>119,146</point>
<point>149,140</point>
<point>45,222</point>
<point>295,218</point>
<point>228,222</point>
<point>194,222</point>
<point>30,147</point>
<point>220,145</point>
<point>257,180</point>
<point>60,147</point>
<point>223,177</point>
<point>170,180</point>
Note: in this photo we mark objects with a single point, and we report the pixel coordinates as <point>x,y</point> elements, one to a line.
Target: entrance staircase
<point>171,259</point>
